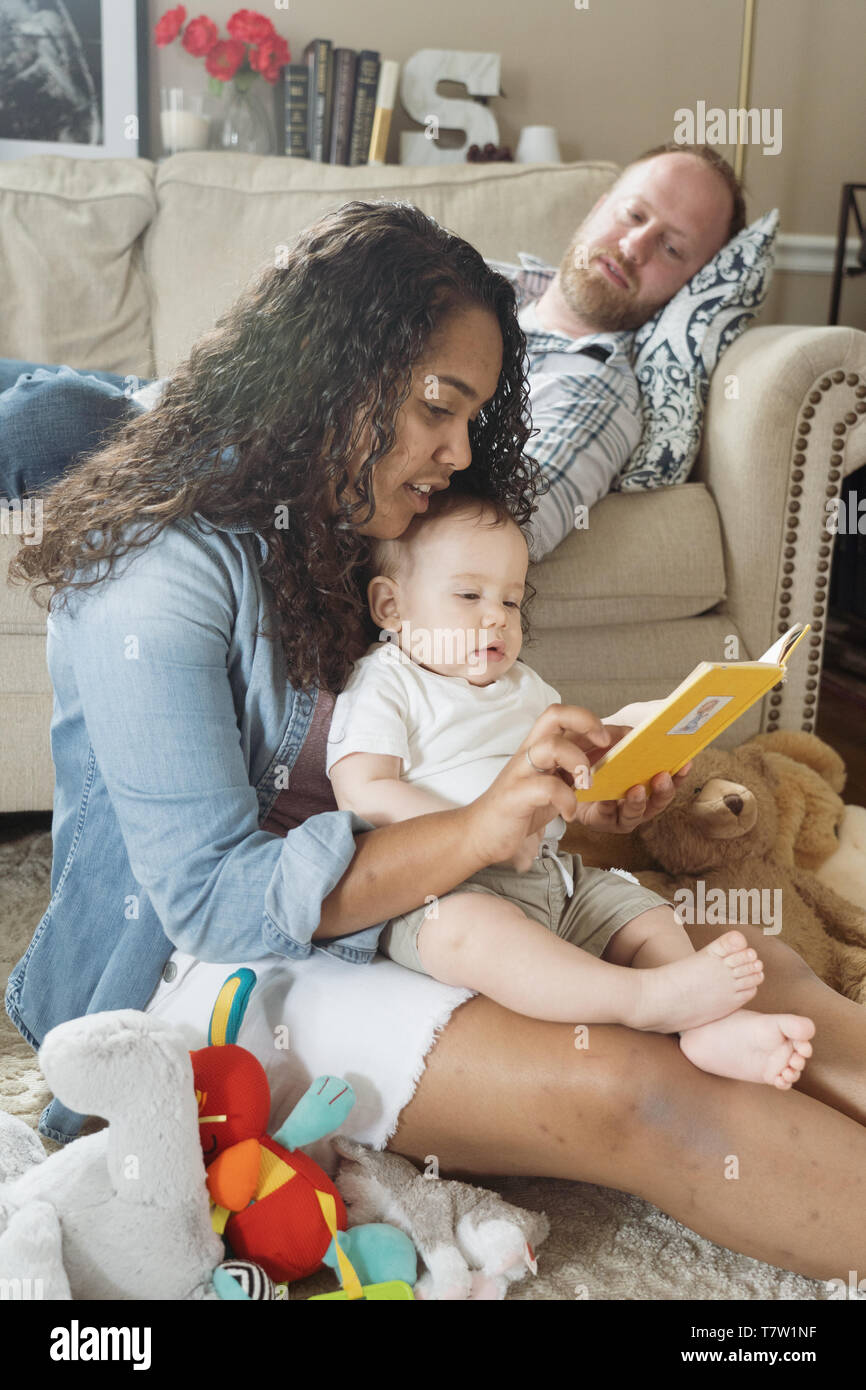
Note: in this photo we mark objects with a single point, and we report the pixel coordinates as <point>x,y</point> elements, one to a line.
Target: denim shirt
<point>174,729</point>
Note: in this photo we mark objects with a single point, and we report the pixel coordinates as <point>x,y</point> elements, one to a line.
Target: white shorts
<point>372,1024</point>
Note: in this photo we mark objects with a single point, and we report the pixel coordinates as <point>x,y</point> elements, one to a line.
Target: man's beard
<point>587,291</point>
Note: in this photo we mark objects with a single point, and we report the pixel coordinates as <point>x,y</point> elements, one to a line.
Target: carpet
<point>603,1244</point>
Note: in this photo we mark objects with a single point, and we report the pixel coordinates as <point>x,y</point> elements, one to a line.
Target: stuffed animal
<point>125,1213</point>
<point>830,838</point>
<point>473,1243</point>
<point>277,1207</point>
<point>845,870</point>
<point>734,844</point>
<point>807,792</point>
<point>122,1213</point>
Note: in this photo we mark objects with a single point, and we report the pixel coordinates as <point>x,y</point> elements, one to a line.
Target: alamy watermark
<point>730,907</point>
<point>846,517</point>
<point>21,1290</point>
<point>442,646</point>
<point>22,517</point>
<point>736,126</point>
<point>77,1343</point>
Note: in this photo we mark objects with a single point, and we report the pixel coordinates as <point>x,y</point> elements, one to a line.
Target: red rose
<point>250,26</point>
<point>200,36</point>
<point>270,58</point>
<point>225,58</point>
<point>169,26</point>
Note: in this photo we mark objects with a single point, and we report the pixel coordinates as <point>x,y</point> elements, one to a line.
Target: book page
<point>776,655</point>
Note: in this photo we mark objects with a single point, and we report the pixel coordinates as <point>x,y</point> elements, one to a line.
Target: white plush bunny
<point>123,1213</point>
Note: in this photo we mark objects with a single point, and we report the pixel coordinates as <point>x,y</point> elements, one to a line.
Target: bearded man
<point>667,215</point>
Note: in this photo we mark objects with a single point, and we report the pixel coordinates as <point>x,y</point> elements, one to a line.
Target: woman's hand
<point>562,742</point>
<point>635,807</point>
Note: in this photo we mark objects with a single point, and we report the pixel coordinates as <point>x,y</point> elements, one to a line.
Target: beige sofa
<point>121,264</point>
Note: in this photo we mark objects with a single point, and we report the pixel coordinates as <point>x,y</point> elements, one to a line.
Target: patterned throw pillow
<point>674,354</point>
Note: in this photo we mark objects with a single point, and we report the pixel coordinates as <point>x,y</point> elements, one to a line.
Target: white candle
<point>184,130</point>
<point>386,96</point>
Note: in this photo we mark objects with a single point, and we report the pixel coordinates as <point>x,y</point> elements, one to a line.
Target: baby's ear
<point>382,601</point>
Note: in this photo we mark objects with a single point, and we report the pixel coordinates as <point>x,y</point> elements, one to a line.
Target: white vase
<point>538,145</point>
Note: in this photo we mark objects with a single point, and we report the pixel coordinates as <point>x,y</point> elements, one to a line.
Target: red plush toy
<point>283,1206</point>
<point>279,1208</point>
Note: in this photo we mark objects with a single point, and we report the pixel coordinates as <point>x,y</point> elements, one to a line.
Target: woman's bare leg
<point>835,1074</point>
<point>506,1094</point>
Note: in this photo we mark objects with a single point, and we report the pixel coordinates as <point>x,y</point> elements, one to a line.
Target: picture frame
<point>74,78</point>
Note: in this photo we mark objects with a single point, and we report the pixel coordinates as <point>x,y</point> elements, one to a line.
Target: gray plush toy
<point>473,1243</point>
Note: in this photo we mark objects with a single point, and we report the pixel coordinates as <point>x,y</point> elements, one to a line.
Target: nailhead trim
<point>792,521</point>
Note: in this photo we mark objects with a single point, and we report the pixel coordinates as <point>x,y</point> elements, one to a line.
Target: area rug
<point>603,1244</point>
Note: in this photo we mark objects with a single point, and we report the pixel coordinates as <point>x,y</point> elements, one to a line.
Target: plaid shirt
<point>585,407</point>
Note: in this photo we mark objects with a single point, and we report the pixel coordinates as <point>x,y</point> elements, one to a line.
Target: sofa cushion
<point>644,558</point>
<point>72,284</point>
<point>221,217</point>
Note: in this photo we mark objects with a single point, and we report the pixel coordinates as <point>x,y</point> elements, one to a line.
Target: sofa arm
<point>784,424</point>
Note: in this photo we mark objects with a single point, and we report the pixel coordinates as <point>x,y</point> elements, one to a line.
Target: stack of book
<point>331,104</point>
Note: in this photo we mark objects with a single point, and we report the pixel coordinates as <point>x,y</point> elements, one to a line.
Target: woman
<point>383,357</point>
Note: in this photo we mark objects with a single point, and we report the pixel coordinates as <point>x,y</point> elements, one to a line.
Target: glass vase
<point>184,124</point>
<point>243,126</point>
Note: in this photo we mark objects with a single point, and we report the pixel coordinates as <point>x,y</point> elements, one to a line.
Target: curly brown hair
<point>259,423</point>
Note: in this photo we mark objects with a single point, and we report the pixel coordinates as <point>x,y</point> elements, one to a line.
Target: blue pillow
<point>674,353</point>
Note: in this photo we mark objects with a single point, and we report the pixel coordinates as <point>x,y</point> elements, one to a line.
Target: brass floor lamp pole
<point>744,89</point>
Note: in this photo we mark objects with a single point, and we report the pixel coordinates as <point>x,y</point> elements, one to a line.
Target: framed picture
<point>73,78</point>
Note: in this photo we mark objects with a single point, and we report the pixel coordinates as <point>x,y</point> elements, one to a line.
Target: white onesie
<point>451,736</point>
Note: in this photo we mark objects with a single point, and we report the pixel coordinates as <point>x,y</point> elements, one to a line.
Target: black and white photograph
<point>72,76</point>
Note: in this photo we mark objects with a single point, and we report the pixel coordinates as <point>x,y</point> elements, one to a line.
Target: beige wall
<point>611,76</point>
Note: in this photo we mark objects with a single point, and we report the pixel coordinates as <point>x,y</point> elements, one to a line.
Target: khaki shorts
<point>602,902</point>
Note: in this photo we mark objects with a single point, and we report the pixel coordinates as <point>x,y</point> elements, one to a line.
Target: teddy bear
<point>740,843</point>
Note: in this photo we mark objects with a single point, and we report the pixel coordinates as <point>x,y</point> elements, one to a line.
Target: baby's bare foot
<point>707,985</point>
<point>748,1046</point>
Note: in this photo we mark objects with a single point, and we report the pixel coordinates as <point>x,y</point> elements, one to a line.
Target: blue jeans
<point>50,417</point>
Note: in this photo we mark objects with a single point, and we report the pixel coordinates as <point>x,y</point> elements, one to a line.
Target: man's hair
<point>716,161</point>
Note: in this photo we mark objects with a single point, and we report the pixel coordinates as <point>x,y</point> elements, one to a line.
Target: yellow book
<point>701,707</point>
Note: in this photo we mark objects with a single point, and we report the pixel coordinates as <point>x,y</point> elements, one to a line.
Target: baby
<point>426,721</point>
